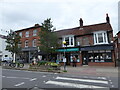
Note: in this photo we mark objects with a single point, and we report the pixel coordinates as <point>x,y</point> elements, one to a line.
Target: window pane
<point>27,34</point>
<point>34,43</point>
<point>71,40</point>
<point>95,38</point>
<point>67,40</point>
<point>20,34</point>
<point>26,43</point>
<point>100,38</point>
<point>34,32</point>
<point>104,37</point>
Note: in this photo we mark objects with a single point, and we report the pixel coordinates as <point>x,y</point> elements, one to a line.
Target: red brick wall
<point>30,38</point>
<point>83,42</point>
<point>101,64</point>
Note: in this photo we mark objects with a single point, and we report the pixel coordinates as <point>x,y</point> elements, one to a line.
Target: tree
<point>13,41</point>
<point>48,38</point>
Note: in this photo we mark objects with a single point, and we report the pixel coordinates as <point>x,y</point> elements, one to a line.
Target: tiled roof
<point>33,27</point>
<point>86,29</point>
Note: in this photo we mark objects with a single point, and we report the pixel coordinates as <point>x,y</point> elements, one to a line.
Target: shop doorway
<point>85,58</point>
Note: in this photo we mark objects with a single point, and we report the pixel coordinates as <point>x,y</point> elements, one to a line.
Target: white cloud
<point>18,14</point>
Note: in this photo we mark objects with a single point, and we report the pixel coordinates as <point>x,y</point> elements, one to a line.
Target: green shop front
<point>69,53</point>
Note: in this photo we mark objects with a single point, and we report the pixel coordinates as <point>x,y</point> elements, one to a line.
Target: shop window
<point>100,56</point>
<point>100,37</point>
<point>76,56</point>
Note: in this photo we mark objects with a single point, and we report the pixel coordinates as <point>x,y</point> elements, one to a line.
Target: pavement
<point>89,70</point>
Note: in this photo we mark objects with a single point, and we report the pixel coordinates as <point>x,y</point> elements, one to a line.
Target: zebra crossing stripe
<point>73,85</point>
<point>84,80</point>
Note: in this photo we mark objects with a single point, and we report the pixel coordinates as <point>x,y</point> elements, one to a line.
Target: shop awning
<point>92,48</point>
<point>67,50</point>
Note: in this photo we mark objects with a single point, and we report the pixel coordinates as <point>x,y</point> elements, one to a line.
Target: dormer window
<point>100,37</point>
<point>69,41</point>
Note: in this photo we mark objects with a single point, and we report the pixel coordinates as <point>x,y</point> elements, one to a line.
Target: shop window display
<point>76,56</point>
<point>100,56</point>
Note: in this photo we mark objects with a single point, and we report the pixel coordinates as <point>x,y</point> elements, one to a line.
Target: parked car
<point>7,59</point>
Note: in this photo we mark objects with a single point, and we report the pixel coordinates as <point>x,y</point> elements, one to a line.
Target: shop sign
<point>68,50</point>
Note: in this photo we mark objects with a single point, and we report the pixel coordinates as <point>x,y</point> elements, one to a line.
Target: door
<point>85,58</point>
<point>67,58</point>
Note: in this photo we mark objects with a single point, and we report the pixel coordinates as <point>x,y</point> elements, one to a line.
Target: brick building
<point>90,44</point>
<point>29,41</point>
<point>117,46</point>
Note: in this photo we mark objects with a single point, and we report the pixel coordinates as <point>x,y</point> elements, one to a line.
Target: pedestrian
<point>74,61</point>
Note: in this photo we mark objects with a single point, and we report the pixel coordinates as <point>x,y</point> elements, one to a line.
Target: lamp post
<point>64,60</point>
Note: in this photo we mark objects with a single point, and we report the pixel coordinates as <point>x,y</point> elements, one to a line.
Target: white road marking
<point>102,78</point>
<point>3,76</point>
<point>33,79</point>
<point>73,85</point>
<point>19,84</point>
<point>11,77</point>
<point>44,76</point>
<point>85,80</point>
<point>18,77</point>
<point>112,85</point>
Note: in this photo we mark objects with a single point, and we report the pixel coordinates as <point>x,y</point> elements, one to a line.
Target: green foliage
<point>41,63</point>
<point>47,63</point>
<point>64,70</point>
<point>48,38</point>
<point>13,39</point>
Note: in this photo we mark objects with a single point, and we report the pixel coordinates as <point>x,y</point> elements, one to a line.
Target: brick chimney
<point>81,22</point>
<point>36,25</point>
<point>107,18</point>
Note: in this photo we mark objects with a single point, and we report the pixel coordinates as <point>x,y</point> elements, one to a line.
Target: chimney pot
<point>81,22</point>
<point>37,25</point>
<point>107,18</point>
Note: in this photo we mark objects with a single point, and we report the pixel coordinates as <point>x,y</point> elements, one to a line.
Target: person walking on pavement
<point>74,61</point>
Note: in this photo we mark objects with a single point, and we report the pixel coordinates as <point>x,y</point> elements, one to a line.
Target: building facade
<point>29,42</point>
<point>91,45</point>
<point>117,46</point>
<point>4,55</point>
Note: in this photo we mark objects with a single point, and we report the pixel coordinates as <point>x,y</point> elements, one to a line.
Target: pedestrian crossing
<point>73,82</point>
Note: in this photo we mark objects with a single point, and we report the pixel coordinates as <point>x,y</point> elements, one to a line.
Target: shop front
<point>28,53</point>
<point>101,55</point>
<point>69,54</point>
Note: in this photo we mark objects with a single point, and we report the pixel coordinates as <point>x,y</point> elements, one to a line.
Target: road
<point>42,80</point>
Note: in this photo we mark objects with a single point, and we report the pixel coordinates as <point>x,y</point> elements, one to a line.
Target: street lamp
<point>64,60</point>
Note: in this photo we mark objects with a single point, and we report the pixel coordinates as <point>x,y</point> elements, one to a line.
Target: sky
<point>20,14</point>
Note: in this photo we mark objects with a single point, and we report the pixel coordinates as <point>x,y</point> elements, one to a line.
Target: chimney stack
<point>81,22</point>
<point>107,18</point>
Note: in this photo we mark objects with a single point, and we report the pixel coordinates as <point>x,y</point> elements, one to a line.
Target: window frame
<point>35,32</point>
<point>20,34</point>
<point>26,45</point>
<point>104,37</point>
<point>27,34</point>
<point>71,44</point>
<point>34,42</point>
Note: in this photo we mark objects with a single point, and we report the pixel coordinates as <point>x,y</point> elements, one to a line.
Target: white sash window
<point>100,37</point>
